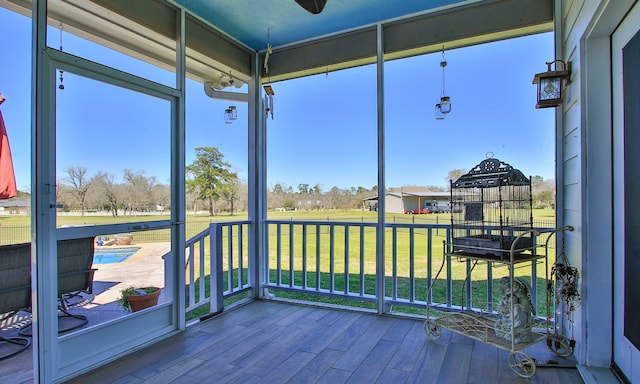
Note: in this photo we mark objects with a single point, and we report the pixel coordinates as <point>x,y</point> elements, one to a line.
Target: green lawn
<point>196,223</point>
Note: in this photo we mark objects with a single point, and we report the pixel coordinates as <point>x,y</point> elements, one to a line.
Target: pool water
<point>111,256</point>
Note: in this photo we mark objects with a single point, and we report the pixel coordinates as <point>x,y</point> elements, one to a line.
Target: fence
<point>338,261</point>
<point>333,260</point>
<point>20,233</point>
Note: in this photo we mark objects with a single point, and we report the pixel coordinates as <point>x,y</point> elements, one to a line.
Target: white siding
<point>584,161</point>
<point>393,204</point>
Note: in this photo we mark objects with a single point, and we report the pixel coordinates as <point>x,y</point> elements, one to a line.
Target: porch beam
<point>176,274</point>
<point>43,198</point>
<point>459,26</point>
<point>380,230</point>
<point>257,204</point>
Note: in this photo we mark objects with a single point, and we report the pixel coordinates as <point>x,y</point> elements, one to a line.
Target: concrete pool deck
<point>144,268</point>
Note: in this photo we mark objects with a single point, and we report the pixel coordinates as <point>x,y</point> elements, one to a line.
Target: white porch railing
<point>217,264</point>
<point>337,259</point>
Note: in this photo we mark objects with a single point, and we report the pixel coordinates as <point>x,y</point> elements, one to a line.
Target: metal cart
<point>510,323</point>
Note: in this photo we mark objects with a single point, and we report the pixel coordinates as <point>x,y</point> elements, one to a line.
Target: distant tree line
<point>307,197</point>
<point>213,186</point>
<point>210,182</point>
<point>138,193</point>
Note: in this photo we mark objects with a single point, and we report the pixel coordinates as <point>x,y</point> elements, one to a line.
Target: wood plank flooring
<point>269,342</point>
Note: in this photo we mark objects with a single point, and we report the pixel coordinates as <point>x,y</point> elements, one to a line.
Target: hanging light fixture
<point>439,114</point>
<point>61,86</point>
<point>230,114</point>
<point>269,100</point>
<point>550,84</point>
<point>268,90</point>
<point>444,106</point>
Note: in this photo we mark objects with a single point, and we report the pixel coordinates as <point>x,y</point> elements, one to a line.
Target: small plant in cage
<point>566,285</point>
<point>567,295</point>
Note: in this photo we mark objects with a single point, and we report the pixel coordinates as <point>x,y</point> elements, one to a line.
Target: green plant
<point>124,301</point>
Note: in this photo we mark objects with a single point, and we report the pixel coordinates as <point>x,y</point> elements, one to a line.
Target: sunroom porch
<point>589,153</point>
<point>316,315</point>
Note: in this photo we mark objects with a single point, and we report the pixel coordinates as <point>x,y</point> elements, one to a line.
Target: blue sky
<point>328,136</point>
<point>324,127</point>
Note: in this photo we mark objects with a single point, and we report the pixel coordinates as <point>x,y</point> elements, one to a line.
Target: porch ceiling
<point>343,35</point>
<point>284,22</point>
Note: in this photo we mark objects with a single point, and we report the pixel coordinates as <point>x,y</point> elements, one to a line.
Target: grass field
<point>286,251</point>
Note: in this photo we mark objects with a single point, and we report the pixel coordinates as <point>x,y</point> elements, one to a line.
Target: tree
<point>140,190</point>
<point>543,192</point>
<point>316,190</point>
<point>544,199</point>
<point>453,175</point>
<point>78,183</point>
<point>209,173</point>
<point>335,197</point>
<point>229,190</point>
<point>108,191</point>
<point>303,188</point>
<point>162,196</point>
<point>537,181</point>
<point>279,189</point>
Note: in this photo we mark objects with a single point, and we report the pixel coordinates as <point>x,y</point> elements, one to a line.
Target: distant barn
<point>15,207</point>
<point>412,200</point>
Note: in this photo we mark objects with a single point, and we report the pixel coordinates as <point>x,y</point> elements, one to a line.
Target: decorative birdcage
<point>491,206</point>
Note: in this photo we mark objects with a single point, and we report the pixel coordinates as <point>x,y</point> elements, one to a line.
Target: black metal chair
<point>75,278</point>
<point>15,292</point>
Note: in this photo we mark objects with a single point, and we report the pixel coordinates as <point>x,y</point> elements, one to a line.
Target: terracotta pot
<point>140,302</point>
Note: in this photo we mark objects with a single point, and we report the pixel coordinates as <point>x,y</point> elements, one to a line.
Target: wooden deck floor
<point>268,342</point>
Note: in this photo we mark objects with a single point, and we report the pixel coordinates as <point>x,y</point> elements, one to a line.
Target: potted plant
<point>138,298</point>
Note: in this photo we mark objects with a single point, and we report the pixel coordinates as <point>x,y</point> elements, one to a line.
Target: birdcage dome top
<point>489,173</point>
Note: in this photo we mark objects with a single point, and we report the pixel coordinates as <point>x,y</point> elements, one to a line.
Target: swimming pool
<point>111,256</point>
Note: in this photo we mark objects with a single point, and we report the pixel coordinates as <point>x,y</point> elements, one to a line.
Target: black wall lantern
<point>550,84</point>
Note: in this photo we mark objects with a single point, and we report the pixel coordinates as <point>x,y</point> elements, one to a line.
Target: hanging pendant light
<point>444,106</point>
<point>61,86</point>
<point>230,114</point>
<point>439,114</point>
<point>269,93</point>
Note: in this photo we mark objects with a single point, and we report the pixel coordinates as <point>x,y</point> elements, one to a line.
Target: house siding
<point>584,160</point>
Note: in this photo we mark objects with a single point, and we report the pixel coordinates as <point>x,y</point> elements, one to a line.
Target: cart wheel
<point>522,364</point>
<point>432,330</point>
<point>559,345</point>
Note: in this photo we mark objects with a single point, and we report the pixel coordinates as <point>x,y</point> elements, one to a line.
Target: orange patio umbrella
<point>7,176</point>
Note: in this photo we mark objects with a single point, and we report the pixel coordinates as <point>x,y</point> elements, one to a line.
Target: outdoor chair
<point>75,281</point>
<point>75,277</point>
<point>15,293</point>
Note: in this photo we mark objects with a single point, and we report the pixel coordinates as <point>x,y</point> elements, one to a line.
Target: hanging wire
<point>61,86</point>
<point>269,50</point>
<point>444,106</point>
<point>267,88</point>
<point>230,113</point>
<point>443,64</point>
